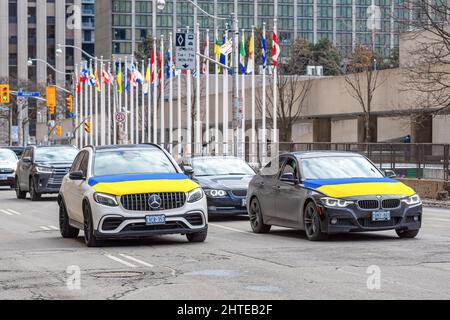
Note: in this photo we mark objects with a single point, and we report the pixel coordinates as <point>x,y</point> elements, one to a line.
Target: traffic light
<point>51,109</point>
<point>87,126</point>
<point>59,131</point>
<point>4,93</point>
<point>69,104</point>
<point>50,96</point>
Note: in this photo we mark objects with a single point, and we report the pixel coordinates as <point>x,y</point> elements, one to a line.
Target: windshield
<point>218,166</point>
<point>55,154</point>
<point>7,155</point>
<point>338,168</point>
<point>132,161</point>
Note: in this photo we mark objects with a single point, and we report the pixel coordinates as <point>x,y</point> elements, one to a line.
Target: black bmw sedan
<point>331,192</point>
<point>225,181</point>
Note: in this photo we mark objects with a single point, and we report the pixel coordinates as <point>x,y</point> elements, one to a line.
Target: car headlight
<point>335,203</point>
<point>195,195</point>
<point>216,193</point>
<point>412,200</point>
<point>44,169</point>
<point>106,199</point>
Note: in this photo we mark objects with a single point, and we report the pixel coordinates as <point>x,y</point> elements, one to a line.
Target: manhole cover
<point>120,274</point>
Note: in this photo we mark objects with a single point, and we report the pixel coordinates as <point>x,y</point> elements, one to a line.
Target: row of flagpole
<point>116,103</point>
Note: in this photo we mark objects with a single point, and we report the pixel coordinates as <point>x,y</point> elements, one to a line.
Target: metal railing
<point>412,160</point>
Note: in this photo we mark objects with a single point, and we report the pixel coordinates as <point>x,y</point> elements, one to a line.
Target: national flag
<point>226,48</point>
<point>222,56</point>
<point>159,65</point>
<point>264,51</point>
<point>97,82</point>
<point>83,76</point>
<point>242,55</point>
<point>119,81</point>
<point>217,52</point>
<point>147,74</point>
<point>153,65</point>
<point>250,61</point>
<point>107,76</point>
<point>169,65</point>
<point>205,61</point>
<point>78,88</point>
<point>275,49</point>
<point>126,77</point>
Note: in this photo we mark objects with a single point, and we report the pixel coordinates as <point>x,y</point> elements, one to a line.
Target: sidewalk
<point>445,204</point>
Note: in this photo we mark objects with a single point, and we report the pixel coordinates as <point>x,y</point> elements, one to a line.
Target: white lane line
<point>120,261</point>
<point>7,212</point>
<point>137,260</point>
<point>45,228</point>
<point>53,228</point>
<point>14,212</point>
<point>231,229</point>
<point>437,219</point>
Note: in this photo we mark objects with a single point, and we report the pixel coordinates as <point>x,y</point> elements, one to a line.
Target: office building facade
<point>88,25</point>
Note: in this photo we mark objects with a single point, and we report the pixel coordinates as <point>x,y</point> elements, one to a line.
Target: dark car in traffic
<point>42,169</point>
<point>18,150</point>
<point>8,166</point>
<point>331,192</point>
<point>225,182</point>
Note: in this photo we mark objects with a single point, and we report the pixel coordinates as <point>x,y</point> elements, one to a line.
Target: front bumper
<point>227,205</point>
<point>48,182</point>
<point>7,179</point>
<point>353,219</point>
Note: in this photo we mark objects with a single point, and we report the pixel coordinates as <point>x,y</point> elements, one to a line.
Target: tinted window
<point>84,163</point>
<point>132,161</point>
<point>338,168</point>
<point>290,167</point>
<point>221,166</point>
<point>55,154</point>
<point>77,162</point>
<point>7,155</point>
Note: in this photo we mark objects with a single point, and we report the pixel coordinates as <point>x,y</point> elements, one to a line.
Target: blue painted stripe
<point>317,183</point>
<point>136,177</point>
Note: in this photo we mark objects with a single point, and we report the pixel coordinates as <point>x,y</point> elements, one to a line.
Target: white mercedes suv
<point>130,191</point>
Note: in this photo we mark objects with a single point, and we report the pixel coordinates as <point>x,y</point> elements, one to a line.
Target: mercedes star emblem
<point>154,201</point>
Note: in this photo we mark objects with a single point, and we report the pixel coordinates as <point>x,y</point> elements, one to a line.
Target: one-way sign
<point>185,51</point>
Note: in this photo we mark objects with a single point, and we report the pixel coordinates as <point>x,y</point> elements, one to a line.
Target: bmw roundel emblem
<point>154,201</point>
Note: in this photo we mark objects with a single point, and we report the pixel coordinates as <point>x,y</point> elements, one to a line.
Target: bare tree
<point>362,81</point>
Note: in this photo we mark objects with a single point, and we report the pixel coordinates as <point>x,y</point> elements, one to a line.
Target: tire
<point>89,237</point>
<point>66,230</point>
<point>34,196</point>
<point>19,193</point>
<point>311,221</point>
<point>407,234</point>
<point>256,218</point>
<point>198,236</point>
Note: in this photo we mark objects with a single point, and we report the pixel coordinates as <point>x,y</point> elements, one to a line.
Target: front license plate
<point>244,202</point>
<point>381,216</point>
<point>3,178</point>
<point>155,220</point>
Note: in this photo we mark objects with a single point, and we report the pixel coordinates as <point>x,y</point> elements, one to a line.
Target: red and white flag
<point>205,61</point>
<point>107,76</point>
<point>153,65</point>
<point>275,49</point>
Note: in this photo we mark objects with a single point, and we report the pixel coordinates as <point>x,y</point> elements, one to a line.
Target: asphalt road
<point>232,264</point>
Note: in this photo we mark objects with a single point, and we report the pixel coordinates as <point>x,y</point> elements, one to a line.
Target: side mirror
<point>77,175</point>
<point>189,171</point>
<point>289,177</point>
<point>27,159</point>
<point>389,173</point>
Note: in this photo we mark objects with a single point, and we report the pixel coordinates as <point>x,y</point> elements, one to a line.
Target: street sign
<point>26,94</point>
<point>120,117</point>
<point>185,51</point>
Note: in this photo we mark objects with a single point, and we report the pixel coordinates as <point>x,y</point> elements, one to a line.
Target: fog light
<point>416,218</point>
<point>334,221</point>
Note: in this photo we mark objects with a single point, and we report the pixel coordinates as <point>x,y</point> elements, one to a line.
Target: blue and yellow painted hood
<point>120,185</point>
<point>345,188</point>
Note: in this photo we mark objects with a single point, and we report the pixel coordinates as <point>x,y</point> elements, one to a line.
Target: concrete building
<point>121,24</point>
<point>32,29</point>
<point>88,21</point>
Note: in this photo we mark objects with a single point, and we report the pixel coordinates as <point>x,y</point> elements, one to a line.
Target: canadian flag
<point>275,49</point>
<point>153,65</point>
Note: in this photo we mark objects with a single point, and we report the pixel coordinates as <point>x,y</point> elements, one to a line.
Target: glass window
<point>217,166</point>
<point>7,155</point>
<point>339,168</point>
<point>132,161</point>
<point>290,167</point>
<point>76,163</point>
<point>55,154</point>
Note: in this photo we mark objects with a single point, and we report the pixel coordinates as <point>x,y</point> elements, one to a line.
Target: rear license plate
<point>381,216</point>
<point>155,220</point>
<point>244,202</point>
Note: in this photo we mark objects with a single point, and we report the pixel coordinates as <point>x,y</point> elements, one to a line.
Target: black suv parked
<point>41,170</point>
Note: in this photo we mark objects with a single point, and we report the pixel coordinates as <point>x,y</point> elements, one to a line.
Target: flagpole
<point>243,99</point>
<point>119,101</point>
<point>113,115</point>
<point>91,110</point>
<point>188,111</point>
<point>76,109</point>
<point>170,74</point>
<point>263,115</point>
<point>275,93</point>
<point>207,94</point>
<point>179,125</point>
<point>149,103</point>
<point>253,135</point>
<point>125,89</point>
<point>102,106</point>
<point>96,107</point>
<point>136,108</point>
<point>161,83</point>
<point>225,101</point>
<point>216,97</point>
<point>155,93</point>
<point>109,105</point>
<point>86,107</point>
<point>130,86</point>
<point>143,103</point>
<point>197,139</point>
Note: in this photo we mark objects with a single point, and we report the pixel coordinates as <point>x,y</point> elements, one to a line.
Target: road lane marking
<point>437,219</point>
<point>53,228</point>
<point>137,260</point>
<point>120,260</point>
<point>45,228</point>
<point>14,212</point>
<point>231,229</point>
<point>7,212</point>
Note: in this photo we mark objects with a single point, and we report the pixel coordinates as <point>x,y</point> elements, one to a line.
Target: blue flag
<point>264,51</point>
<point>222,56</point>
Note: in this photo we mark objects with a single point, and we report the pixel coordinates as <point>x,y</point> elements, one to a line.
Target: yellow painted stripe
<point>145,186</point>
<point>366,189</point>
